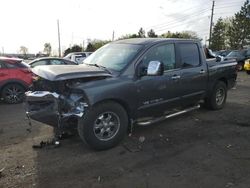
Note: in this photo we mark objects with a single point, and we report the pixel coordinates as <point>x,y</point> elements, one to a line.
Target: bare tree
<point>23,50</point>
<point>47,48</point>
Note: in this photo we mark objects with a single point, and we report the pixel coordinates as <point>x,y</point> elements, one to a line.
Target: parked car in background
<point>50,61</point>
<point>223,53</point>
<point>15,78</point>
<point>247,66</point>
<point>77,57</point>
<point>240,56</point>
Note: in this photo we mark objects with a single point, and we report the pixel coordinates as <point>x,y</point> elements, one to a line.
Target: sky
<point>31,23</point>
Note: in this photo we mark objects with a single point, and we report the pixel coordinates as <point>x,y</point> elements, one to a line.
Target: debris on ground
<point>19,167</point>
<point>99,179</point>
<point>53,144</point>
<point>141,139</point>
<point>229,184</point>
<point>229,146</point>
<point>132,148</point>
<point>1,172</point>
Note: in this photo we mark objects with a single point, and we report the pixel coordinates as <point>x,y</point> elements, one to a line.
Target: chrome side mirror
<point>155,68</point>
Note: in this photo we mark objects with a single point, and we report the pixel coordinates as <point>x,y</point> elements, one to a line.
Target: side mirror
<point>155,68</point>
<point>218,59</point>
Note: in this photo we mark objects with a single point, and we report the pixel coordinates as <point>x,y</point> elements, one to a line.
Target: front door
<point>156,94</point>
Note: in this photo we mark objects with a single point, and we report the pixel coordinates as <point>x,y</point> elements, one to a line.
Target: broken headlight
<point>72,105</point>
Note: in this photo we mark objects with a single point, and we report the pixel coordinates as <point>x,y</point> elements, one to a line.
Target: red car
<point>15,78</point>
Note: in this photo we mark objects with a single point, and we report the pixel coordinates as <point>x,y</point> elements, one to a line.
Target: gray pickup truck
<point>128,82</point>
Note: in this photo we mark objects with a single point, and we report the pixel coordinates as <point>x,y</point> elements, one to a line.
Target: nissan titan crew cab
<point>128,82</point>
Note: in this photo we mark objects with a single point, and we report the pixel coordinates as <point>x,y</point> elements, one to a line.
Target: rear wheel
<point>104,125</point>
<point>217,98</point>
<point>248,71</point>
<point>240,67</point>
<point>13,93</point>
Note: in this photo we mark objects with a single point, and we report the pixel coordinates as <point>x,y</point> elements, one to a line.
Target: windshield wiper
<point>99,66</point>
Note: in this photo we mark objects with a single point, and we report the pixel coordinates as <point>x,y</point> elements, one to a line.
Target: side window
<point>42,62</point>
<point>165,54</point>
<point>248,52</point>
<point>189,55</point>
<point>56,62</point>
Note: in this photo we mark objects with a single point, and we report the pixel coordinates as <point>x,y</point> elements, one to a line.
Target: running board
<point>168,116</point>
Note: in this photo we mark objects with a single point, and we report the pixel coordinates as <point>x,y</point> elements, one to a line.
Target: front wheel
<point>248,71</point>
<point>217,98</point>
<point>104,125</point>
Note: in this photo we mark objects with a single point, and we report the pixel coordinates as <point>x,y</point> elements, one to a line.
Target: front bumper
<point>53,109</point>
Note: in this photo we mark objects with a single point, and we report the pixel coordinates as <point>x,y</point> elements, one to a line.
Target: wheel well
<point>122,103</point>
<point>223,80</point>
<point>8,83</point>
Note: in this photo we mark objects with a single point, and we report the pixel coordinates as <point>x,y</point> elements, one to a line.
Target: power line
<point>178,21</point>
<point>175,25</point>
<point>158,25</point>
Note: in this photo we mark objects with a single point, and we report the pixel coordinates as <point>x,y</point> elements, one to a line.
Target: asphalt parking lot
<point>199,149</point>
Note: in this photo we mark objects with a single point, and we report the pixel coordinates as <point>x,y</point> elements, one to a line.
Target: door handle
<point>175,77</point>
<point>202,71</point>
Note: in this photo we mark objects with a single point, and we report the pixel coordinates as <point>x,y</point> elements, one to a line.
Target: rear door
<point>194,75</point>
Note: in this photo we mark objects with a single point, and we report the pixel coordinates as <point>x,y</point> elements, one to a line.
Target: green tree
<point>239,30</point>
<point>183,34</point>
<point>141,33</point>
<point>47,48</point>
<point>67,51</point>
<point>218,40</point>
<point>90,47</point>
<point>151,34</point>
<point>96,44</point>
<point>128,36</point>
<point>76,48</point>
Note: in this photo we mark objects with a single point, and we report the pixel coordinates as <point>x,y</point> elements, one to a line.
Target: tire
<point>217,98</point>
<point>240,67</point>
<point>248,71</point>
<point>103,126</point>
<point>13,93</point>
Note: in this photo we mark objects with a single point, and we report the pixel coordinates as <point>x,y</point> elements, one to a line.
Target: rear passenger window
<point>189,55</point>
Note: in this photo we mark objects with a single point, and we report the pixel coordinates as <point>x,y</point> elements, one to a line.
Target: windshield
<point>114,56</point>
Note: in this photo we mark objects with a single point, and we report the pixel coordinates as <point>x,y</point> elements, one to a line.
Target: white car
<point>77,57</point>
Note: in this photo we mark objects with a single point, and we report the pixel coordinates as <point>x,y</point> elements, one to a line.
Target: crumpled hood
<point>66,72</point>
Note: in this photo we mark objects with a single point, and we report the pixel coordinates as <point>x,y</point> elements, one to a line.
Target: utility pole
<point>211,25</point>
<point>113,36</point>
<point>59,42</point>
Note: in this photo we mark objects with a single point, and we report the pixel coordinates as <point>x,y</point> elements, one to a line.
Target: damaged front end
<point>55,109</point>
